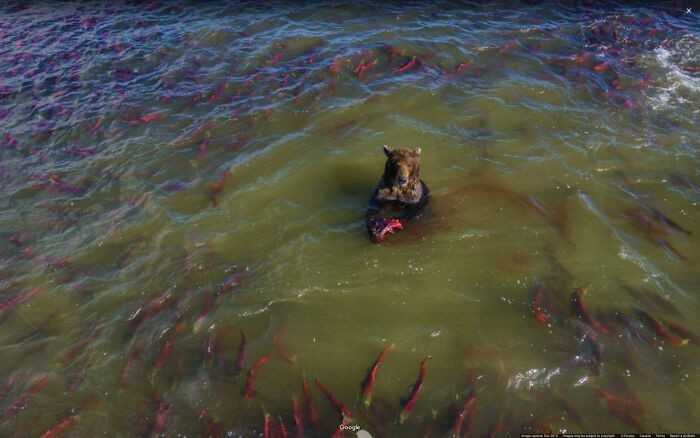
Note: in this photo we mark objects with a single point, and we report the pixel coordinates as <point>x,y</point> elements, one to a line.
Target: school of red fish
<point>598,332</point>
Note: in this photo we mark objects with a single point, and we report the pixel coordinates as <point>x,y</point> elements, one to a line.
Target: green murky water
<point>152,154</point>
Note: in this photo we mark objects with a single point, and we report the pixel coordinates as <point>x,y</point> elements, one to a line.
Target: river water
<point>177,177</point>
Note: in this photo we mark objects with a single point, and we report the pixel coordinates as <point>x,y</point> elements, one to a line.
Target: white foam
<point>676,75</point>
<point>677,81</point>
<point>532,379</point>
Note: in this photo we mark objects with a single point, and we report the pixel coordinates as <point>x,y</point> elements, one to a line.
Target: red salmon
<point>339,406</point>
<point>368,384</point>
<point>466,414</point>
<point>249,391</point>
<point>415,392</point>
<point>61,427</point>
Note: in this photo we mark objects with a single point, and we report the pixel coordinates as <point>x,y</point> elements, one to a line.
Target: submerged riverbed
<point>183,190</point>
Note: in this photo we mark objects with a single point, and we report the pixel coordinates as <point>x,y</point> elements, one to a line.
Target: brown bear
<point>400,194</point>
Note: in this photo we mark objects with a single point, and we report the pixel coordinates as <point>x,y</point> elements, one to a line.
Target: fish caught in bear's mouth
<point>399,196</point>
<point>379,228</point>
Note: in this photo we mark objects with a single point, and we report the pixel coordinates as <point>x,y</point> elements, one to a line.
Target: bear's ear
<point>387,150</point>
<point>418,150</point>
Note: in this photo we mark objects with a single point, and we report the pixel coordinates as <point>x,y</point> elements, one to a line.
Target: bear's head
<point>401,180</point>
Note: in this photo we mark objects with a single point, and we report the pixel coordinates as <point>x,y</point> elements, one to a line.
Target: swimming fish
<point>368,383</point>
<point>242,353</point>
<point>415,392</point>
<point>414,62</point>
<point>339,406</point>
<point>581,311</point>
<point>538,305</point>
<point>249,391</point>
<point>660,330</point>
<point>465,414</point>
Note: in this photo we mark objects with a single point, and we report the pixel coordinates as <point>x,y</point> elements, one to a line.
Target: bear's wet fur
<point>400,193</point>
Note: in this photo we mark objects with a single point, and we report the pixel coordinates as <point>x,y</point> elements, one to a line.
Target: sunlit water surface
<point>174,175</point>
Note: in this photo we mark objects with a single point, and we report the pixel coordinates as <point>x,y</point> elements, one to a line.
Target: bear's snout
<point>403,175</point>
